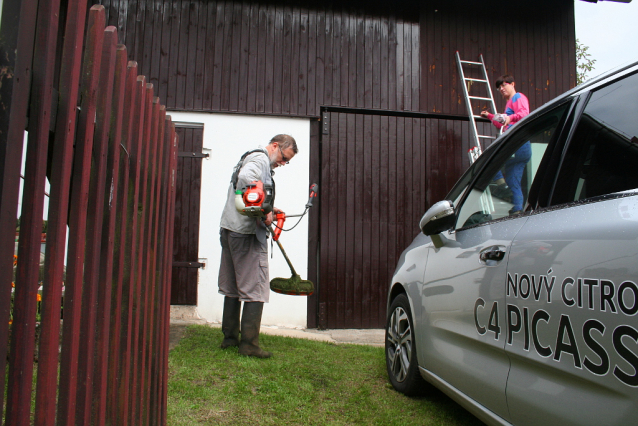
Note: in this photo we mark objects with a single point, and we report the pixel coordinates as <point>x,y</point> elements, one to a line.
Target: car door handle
<point>492,253</point>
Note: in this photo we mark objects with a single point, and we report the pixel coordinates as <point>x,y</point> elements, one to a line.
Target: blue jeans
<point>513,170</point>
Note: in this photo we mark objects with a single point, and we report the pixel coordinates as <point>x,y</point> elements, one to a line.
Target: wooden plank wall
<point>281,58</point>
<point>291,57</point>
<point>533,41</point>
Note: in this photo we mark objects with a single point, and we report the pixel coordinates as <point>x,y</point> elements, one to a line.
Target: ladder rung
<point>472,63</point>
<point>480,98</point>
<point>486,137</point>
<point>475,79</point>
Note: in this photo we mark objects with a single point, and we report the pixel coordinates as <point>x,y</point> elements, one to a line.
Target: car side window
<point>602,155</point>
<point>502,188</point>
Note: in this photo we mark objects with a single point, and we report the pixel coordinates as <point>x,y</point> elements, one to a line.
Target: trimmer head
<point>293,286</point>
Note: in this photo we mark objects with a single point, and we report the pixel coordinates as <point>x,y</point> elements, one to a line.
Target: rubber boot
<point>230,322</point>
<point>250,323</point>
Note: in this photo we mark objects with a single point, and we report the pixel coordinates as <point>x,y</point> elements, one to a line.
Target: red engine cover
<point>254,195</point>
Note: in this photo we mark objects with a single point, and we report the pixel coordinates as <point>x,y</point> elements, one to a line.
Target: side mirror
<point>440,217</point>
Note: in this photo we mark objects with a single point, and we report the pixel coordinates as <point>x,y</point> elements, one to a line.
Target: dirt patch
<point>175,334</point>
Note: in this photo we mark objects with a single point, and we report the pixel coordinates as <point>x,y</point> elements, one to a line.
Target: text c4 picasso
<point>599,295</point>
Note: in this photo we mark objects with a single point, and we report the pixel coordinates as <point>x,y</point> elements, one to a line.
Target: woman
<point>516,108</point>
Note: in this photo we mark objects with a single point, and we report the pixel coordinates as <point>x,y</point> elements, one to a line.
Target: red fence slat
<point>157,235</point>
<point>75,284</point>
<point>142,160</point>
<point>150,255</point>
<point>27,273</point>
<point>131,258</point>
<point>165,308</point>
<point>107,284</point>
<point>95,215</point>
<point>118,375</point>
<point>17,32</point>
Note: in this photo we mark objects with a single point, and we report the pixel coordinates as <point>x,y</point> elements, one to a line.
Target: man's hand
<point>270,216</point>
<point>484,114</point>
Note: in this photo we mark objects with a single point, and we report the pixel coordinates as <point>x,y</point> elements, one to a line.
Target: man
<point>243,272</point>
<point>516,108</point>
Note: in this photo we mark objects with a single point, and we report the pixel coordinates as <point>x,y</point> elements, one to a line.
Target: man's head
<point>506,86</point>
<point>281,149</point>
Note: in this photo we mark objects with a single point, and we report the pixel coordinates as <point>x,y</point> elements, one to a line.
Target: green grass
<point>305,383</point>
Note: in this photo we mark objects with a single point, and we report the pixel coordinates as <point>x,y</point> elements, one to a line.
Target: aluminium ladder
<point>468,82</point>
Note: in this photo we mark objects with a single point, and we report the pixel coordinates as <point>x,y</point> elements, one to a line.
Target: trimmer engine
<point>256,200</point>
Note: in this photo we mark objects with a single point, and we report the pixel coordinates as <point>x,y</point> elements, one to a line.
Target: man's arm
<point>250,172</point>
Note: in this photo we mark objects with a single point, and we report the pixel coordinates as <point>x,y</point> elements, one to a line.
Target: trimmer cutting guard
<point>293,286</point>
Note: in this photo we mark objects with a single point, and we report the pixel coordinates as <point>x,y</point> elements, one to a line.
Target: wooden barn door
<point>373,193</point>
<point>187,206</point>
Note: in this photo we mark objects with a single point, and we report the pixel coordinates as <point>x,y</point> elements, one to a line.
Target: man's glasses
<point>283,157</point>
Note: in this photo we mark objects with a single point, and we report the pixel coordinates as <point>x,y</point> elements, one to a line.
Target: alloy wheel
<point>399,344</point>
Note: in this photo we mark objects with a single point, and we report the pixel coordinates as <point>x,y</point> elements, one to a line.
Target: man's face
<point>280,157</point>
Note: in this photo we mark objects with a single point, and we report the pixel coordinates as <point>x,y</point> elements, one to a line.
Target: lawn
<point>305,383</point>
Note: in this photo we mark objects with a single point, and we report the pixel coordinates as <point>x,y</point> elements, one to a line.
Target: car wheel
<point>400,349</point>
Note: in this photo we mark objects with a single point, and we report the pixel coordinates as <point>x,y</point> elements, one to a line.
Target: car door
<point>463,292</point>
<point>572,277</point>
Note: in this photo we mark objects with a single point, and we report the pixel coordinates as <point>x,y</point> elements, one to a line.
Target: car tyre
<point>400,349</point>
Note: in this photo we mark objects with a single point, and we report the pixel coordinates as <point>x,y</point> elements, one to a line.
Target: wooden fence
<point>108,149</point>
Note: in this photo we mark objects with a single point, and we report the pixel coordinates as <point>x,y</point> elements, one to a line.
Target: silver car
<point>529,317</point>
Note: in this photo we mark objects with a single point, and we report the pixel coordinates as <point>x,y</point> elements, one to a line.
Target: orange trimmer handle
<point>314,190</point>
<point>280,218</point>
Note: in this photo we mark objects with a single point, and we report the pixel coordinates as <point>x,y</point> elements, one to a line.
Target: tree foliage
<point>584,62</point>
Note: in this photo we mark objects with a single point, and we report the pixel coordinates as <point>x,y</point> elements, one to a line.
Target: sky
<point>610,30</point>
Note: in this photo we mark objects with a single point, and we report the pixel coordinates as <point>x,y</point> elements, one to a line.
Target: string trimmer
<point>294,285</point>
<point>255,200</point>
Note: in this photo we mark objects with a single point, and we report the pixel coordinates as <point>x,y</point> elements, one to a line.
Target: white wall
<point>226,138</point>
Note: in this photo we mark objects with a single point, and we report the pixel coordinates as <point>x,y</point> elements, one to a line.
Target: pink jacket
<point>516,108</point>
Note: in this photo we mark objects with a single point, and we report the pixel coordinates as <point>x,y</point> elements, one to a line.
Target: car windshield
<point>461,185</point>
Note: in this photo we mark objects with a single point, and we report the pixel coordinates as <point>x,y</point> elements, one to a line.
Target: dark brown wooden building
<point>379,81</point>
